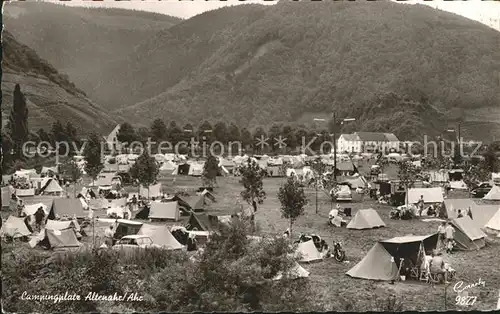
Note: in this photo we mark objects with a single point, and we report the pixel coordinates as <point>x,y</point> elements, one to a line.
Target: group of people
<point>446,234</point>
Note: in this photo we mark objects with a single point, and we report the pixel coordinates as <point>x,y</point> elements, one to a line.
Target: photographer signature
<point>464,299</point>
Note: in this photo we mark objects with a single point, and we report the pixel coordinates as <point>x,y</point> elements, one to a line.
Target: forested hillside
<point>50,95</point>
<point>301,58</point>
<point>82,42</point>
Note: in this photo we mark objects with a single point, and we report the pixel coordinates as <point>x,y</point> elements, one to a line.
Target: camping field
<point>333,288</point>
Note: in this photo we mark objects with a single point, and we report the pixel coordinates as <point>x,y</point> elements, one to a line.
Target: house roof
<point>350,137</point>
<point>375,137</point>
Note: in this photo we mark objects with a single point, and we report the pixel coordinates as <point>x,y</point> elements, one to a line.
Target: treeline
<point>291,137</point>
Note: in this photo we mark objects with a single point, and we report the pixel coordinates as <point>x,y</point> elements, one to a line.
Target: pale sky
<point>487,12</point>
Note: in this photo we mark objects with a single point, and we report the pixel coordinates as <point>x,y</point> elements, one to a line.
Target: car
<point>481,190</point>
<point>132,242</point>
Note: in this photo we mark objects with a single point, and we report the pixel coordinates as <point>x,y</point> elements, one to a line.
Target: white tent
<point>294,272</point>
<point>31,209</point>
<point>431,195</point>
<point>168,166</point>
<point>196,169</point>
<point>494,222</point>
<point>154,191</point>
<point>161,236</point>
<point>458,185</point>
<point>308,252</point>
<point>493,194</point>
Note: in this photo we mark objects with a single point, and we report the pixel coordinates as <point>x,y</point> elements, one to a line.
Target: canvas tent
<point>51,187</point>
<point>60,239</point>
<point>126,227</point>
<point>294,272</point>
<point>199,205</point>
<point>481,214</point>
<point>494,223</point>
<point>183,169</point>
<point>493,194</point>
<point>69,207</point>
<point>98,203</point>
<point>467,235</point>
<point>25,192</point>
<point>168,167</point>
<point>31,209</point>
<point>366,219</point>
<point>308,252</point>
<point>431,195</point>
<point>196,169</point>
<point>168,210</point>
<point>154,191</point>
<point>61,225</point>
<point>161,236</point>
<point>202,222</point>
<point>453,205</point>
<point>15,227</point>
<point>183,205</point>
<point>383,260</point>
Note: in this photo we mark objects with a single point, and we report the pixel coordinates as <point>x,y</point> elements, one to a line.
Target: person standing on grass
<point>108,236</point>
<point>450,235</point>
<point>442,234</point>
<point>421,204</point>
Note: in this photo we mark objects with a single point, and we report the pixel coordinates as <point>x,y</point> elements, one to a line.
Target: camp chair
<point>435,278</point>
<point>414,272</point>
<point>424,275</point>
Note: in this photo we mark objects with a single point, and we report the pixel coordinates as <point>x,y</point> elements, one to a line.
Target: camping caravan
<point>161,236</point>
<point>467,235</point>
<point>51,187</point>
<point>164,211</point>
<point>493,194</point>
<point>494,223</point>
<point>15,227</point>
<point>366,219</point>
<point>383,260</point>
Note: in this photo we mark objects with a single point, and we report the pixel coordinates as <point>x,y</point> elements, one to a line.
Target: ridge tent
<point>167,167</point>
<point>31,209</point>
<point>199,206</point>
<point>15,227</point>
<point>458,185</point>
<point>183,205</point>
<point>62,224</point>
<point>51,187</point>
<point>169,210</point>
<point>60,239</point>
<point>467,235</point>
<point>69,207</point>
<point>383,260</point>
<point>366,219</point>
<point>161,236</point>
<point>294,272</point>
<point>481,214</point>
<point>308,252</point>
<point>493,194</point>
<point>125,227</point>
<point>431,195</point>
<point>202,222</point>
<point>494,222</point>
<point>377,264</point>
<point>154,191</point>
<point>453,205</point>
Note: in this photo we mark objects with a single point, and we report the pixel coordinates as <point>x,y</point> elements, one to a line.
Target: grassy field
<point>333,287</point>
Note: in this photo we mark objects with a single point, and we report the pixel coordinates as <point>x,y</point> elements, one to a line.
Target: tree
<point>246,138</point>
<point>490,159</point>
<point>233,133</point>
<point>301,137</point>
<point>18,121</point>
<point>126,134</point>
<point>143,134</point>
<point>259,135</point>
<point>318,168</point>
<point>221,132</point>
<point>58,134</point>
<point>71,137</point>
<point>175,134</point>
<point>289,134</point>
<point>42,135</point>
<point>145,170</point>
<point>70,170</point>
<point>274,134</point>
<point>6,151</point>
<point>251,178</point>
<point>158,130</point>
<point>92,156</point>
<point>206,132</point>
<point>292,199</point>
<point>210,170</point>
<point>407,175</point>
